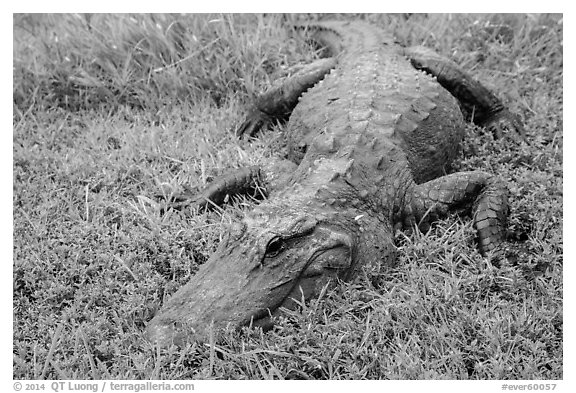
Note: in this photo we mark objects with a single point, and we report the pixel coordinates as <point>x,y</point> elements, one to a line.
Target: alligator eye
<point>274,247</point>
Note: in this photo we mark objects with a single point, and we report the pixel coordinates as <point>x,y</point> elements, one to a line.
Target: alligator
<point>372,130</point>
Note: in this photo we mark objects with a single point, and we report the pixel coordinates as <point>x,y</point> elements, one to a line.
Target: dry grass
<point>111,109</point>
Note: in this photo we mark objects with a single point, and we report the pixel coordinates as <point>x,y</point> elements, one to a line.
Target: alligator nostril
<point>159,334</point>
<point>166,335</point>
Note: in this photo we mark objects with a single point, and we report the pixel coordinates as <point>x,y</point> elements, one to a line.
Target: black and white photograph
<point>287,196</point>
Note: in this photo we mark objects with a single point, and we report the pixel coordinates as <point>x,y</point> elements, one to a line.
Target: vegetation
<point>110,110</point>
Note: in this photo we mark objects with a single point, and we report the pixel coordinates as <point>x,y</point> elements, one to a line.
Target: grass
<point>112,109</point>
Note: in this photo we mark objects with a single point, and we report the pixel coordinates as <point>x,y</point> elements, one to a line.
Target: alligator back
<point>376,97</point>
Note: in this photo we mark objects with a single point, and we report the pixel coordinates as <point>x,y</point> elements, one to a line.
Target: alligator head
<point>274,256</point>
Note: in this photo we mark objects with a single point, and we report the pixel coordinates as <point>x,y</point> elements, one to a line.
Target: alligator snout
<point>251,277</point>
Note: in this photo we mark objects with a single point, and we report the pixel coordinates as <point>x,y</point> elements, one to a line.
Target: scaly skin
<point>372,137</point>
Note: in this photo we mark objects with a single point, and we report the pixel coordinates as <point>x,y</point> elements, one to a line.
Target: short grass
<point>110,110</point>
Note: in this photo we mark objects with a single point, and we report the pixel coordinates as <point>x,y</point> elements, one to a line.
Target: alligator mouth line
<point>258,319</point>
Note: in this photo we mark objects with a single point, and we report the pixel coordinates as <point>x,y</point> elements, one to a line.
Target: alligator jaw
<point>313,278</point>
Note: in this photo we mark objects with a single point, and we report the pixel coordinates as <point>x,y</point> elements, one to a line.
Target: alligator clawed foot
<point>188,202</point>
<point>510,254</point>
<point>180,201</point>
<point>255,121</point>
<point>506,124</point>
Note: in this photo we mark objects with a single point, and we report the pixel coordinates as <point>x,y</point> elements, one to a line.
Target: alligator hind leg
<point>278,102</point>
<point>484,194</point>
<point>477,102</point>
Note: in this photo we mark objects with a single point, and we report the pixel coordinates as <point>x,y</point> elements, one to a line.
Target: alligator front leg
<point>484,194</point>
<point>242,181</point>
<point>477,102</point>
<point>254,181</point>
<point>277,103</point>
